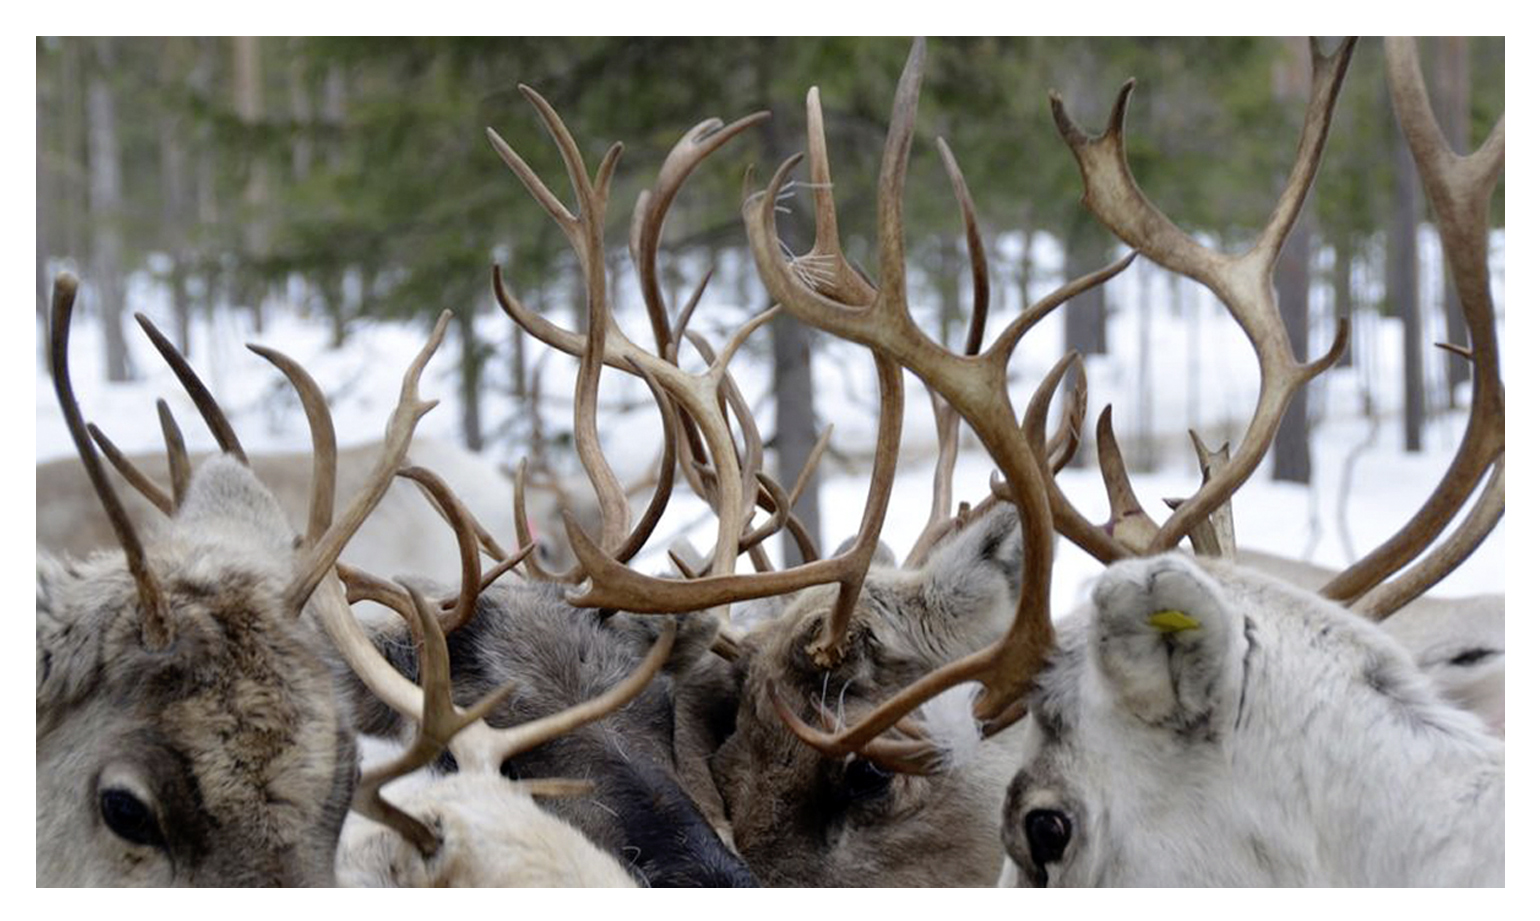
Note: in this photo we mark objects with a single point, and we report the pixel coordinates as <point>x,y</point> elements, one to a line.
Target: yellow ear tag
<point>1172,622</point>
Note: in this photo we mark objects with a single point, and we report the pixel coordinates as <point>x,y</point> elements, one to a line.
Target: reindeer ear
<point>978,567</point>
<point>226,501</point>
<point>50,626</point>
<point>67,651</point>
<point>1168,643</point>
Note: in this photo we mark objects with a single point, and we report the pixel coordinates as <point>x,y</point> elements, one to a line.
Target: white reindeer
<point>1204,724</point>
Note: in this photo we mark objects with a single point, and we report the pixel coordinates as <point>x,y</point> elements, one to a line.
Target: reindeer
<point>189,730</point>
<point>1202,723</point>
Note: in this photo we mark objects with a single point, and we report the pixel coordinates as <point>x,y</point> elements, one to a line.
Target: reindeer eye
<point>129,818</point>
<point>1048,833</point>
<point>864,780</point>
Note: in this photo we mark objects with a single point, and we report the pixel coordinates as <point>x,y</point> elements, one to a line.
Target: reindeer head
<point>221,758</point>
<point>800,818</point>
<point>1207,725</point>
<point>188,728</point>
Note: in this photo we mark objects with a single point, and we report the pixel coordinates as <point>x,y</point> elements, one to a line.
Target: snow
<point>1173,392</point>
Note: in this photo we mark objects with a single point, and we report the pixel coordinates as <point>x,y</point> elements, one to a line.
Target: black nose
<point>1048,833</point>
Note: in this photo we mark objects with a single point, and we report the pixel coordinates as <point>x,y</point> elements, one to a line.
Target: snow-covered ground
<point>1200,373</point>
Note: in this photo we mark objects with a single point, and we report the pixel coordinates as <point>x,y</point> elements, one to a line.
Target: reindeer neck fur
<point>1393,785</point>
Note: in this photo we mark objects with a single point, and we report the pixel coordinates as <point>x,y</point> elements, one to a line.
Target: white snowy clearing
<point>1364,485</point>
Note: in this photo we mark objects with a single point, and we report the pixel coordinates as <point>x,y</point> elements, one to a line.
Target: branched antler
<point>1459,191</point>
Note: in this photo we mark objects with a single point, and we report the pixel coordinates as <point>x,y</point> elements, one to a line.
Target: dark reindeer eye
<point>865,780</point>
<point>130,818</point>
<point>1048,833</point>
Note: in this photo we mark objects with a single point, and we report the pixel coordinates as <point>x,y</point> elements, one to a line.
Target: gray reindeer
<point>190,730</point>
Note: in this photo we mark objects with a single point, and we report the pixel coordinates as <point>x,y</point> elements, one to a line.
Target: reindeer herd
<point>226,699</point>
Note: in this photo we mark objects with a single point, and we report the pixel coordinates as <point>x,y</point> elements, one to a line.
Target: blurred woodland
<point>352,177</point>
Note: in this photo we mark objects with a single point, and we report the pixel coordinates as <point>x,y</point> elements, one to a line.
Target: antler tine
<point>976,260</point>
<point>1066,438</point>
<point>176,453</point>
<point>752,459</point>
<point>323,554</point>
<point>1131,526</point>
<point>365,586</point>
<point>438,722</point>
<point>208,408</point>
<point>1222,521</point>
<point>1243,283</point>
<point>839,280</point>
<point>323,441</point>
<point>667,464</point>
<point>652,207</point>
<point>946,418</point>
<point>1095,540</point>
<point>145,486</point>
<point>459,520</point>
<point>1459,191</point>
<point>156,627</point>
<point>940,520</point>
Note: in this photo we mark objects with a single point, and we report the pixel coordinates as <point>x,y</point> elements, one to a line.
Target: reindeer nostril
<point>1048,834</point>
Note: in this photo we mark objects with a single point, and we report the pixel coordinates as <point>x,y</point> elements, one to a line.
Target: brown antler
<point>606,343</point>
<point>730,485</point>
<point>322,553</point>
<point>1459,190</point>
<point>156,627</point>
<point>1243,283</point>
<point>323,442</point>
<point>941,520</point>
<point>975,385</point>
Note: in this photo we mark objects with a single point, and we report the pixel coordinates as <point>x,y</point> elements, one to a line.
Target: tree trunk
<point>300,110</point>
<point>1453,94</point>
<point>470,375</point>
<point>949,284</point>
<point>791,344</point>
<point>1291,447</point>
<point>1401,288</point>
<point>795,425</point>
<point>1342,289</point>
<point>1144,453</point>
<point>74,202</point>
<point>247,53</point>
<point>107,209</point>
<point>175,210</point>
<point>334,302</point>
<point>45,192</point>
<point>1085,316</point>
